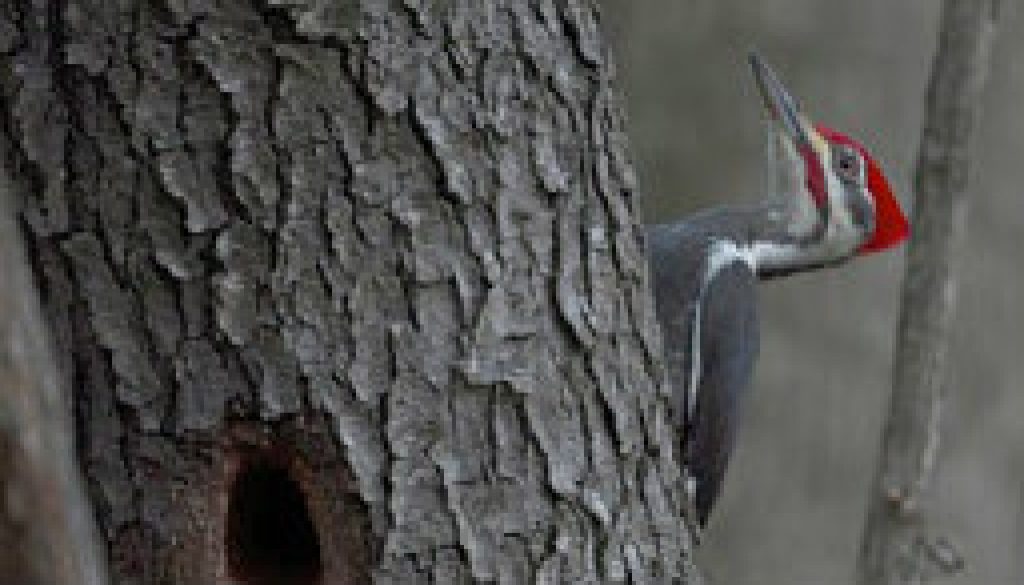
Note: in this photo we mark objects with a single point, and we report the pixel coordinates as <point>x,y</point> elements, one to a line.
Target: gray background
<point>794,499</point>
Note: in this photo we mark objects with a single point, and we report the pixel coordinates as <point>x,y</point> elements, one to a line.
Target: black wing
<point>728,350</point>
<point>678,255</point>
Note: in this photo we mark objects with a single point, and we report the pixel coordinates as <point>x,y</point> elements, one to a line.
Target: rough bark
<point>47,530</point>
<point>897,545</point>
<point>374,263</point>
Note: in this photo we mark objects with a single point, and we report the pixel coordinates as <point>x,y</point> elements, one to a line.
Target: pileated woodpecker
<point>835,205</point>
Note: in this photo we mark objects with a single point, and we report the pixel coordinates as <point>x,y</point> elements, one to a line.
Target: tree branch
<point>46,525</point>
<point>896,547</point>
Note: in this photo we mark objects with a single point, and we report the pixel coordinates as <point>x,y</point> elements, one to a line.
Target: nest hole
<point>271,538</point>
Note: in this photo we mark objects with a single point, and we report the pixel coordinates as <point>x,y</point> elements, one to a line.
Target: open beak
<point>781,105</point>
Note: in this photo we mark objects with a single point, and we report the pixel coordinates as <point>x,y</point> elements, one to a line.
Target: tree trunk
<point>346,291</point>
<point>896,547</point>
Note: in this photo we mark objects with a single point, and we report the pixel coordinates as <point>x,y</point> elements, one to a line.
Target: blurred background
<point>795,495</point>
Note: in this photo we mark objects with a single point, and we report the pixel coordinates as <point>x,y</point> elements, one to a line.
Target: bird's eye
<point>848,165</point>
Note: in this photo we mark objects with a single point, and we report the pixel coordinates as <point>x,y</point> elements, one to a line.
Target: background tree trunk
<point>47,533</point>
<point>897,546</point>
<point>355,282</point>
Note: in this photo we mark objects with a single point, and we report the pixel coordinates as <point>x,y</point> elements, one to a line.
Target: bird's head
<point>846,205</point>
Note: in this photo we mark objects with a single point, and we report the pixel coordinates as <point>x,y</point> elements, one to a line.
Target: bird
<point>833,204</point>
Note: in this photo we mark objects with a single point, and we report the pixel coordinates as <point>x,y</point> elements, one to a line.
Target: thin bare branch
<point>896,545</point>
<point>47,534</point>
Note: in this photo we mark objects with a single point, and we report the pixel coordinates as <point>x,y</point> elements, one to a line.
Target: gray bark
<point>47,530</point>
<point>897,544</point>
<point>375,263</point>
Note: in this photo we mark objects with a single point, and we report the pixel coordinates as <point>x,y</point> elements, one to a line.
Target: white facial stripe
<point>866,194</point>
<point>820,145</point>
